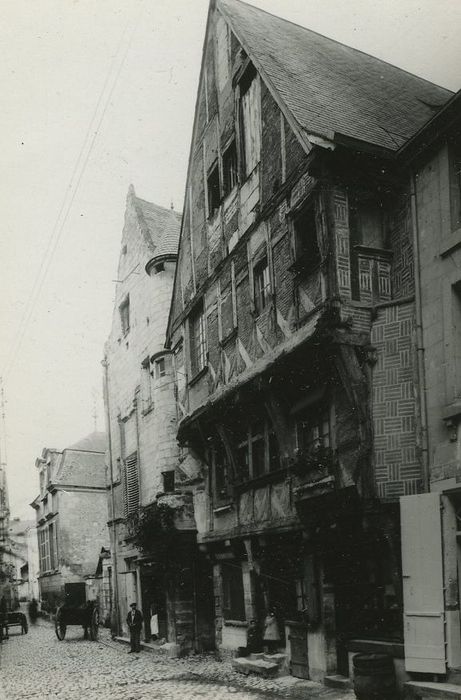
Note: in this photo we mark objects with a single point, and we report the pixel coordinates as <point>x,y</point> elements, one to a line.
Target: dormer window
<point>160,368</point>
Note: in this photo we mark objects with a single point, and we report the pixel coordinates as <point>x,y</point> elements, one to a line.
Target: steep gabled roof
<point>333,90</point>
<point>158,224</point>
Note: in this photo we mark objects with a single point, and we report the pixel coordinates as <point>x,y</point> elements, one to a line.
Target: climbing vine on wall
<point>156,536</point>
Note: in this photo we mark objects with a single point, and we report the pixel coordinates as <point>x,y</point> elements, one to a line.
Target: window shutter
<point>131,484</point>
<point>422,569</point>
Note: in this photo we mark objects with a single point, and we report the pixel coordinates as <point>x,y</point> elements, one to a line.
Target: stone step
<point>420,690</point>
<point>338,681</point>
<point>454,676</point>
<point>278,659</point>
<point>258,667</point>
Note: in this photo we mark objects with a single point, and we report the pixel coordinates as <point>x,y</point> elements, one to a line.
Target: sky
<point>98,94</point>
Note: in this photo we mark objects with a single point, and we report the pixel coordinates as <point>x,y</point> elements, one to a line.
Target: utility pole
<point>4,502</point>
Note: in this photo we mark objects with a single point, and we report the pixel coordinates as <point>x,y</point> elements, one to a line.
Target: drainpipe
<point>115,621</point>
<point>419,337</point>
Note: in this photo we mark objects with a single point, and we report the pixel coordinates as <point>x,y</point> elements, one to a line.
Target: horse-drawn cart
<point>77,611</point>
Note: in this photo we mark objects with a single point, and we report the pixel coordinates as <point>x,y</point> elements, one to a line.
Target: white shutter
<point>422,568</point>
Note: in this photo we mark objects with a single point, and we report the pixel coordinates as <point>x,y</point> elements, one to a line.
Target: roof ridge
<point>335,41</point>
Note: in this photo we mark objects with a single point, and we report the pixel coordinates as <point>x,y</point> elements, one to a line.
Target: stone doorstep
<point>431,691</point>
<point>169,649</point>
<point>259,667</point>
<point>338,681</point>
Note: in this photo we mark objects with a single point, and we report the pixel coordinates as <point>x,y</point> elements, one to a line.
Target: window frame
<point>321,439</point>
<point>198,342</point>
<point>306,254</point>
<point>247,447</point>
<point>233,591</point>
<point>250,122</point>
<point>229,168</point>
<point>262,287</point>
<point>214,195</point>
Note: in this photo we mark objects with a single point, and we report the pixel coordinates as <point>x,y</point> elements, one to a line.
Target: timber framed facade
<point>292,329</point>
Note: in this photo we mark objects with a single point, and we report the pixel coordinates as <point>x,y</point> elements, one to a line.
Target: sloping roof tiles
<point>332,89</point>
<point>161,226</point>
<point>94,442</point>
<point>81,469</point>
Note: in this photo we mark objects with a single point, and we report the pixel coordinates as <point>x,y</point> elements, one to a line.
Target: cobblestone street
<point>37,666</point>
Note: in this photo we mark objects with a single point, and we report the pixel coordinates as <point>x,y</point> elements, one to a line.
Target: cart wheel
<point>94,625</point>
<point>59,625</point>
<point>24,625</point>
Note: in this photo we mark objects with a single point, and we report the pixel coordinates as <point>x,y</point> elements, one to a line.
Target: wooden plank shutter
<point>422,568</point>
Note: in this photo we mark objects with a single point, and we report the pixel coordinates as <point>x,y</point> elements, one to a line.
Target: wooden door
<point>422,569</point>
<point>299,664</point>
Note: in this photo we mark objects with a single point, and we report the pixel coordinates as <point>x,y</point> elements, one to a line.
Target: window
<point>455,186</point>
<point>257,450</point>
<point>160,368</point>
<point>307,254</point>
<point>233,603</point>
<point>197,340</point>
<point>221,471</point>
<point>262,286</point>
<point>214,190</point>
<point>168,481</point>
<point>146,385</point>
<point>124,310</point>
<point>229,166</point>
<point>46,548</point>
<point>313,429</point>
<point>366,222</point>
<point>131,483</point>
<point>250,120</point>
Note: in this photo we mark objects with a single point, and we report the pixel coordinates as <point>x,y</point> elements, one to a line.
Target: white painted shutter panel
<point>422,568</point>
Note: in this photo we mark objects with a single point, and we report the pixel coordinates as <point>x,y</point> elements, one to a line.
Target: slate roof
<point>81,469</point>
<point>94,442</point>
<point>83,463</point>
<point>332,89</point>
<point>160,226</point>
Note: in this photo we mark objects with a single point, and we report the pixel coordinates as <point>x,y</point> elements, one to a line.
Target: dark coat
<point>137,622</point>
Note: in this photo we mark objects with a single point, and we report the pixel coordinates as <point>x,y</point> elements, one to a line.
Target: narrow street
<point>37,666</point>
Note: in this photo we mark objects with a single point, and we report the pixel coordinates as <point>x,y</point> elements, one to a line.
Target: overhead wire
<point>73,187</point>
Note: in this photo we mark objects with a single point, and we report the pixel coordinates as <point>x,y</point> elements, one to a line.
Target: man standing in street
<point>134,622</point>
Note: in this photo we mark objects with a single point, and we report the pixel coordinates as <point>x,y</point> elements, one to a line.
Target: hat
<point>133,605</point>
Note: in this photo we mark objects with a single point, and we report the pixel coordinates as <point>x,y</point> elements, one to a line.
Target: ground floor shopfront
<point>312,592</point>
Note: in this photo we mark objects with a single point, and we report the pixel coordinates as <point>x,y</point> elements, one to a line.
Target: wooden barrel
<point>374,677</point>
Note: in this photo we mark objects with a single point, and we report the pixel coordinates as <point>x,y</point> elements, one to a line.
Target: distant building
<point>71,512</point>
<point>140,405</point>
<point>19,542</point>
